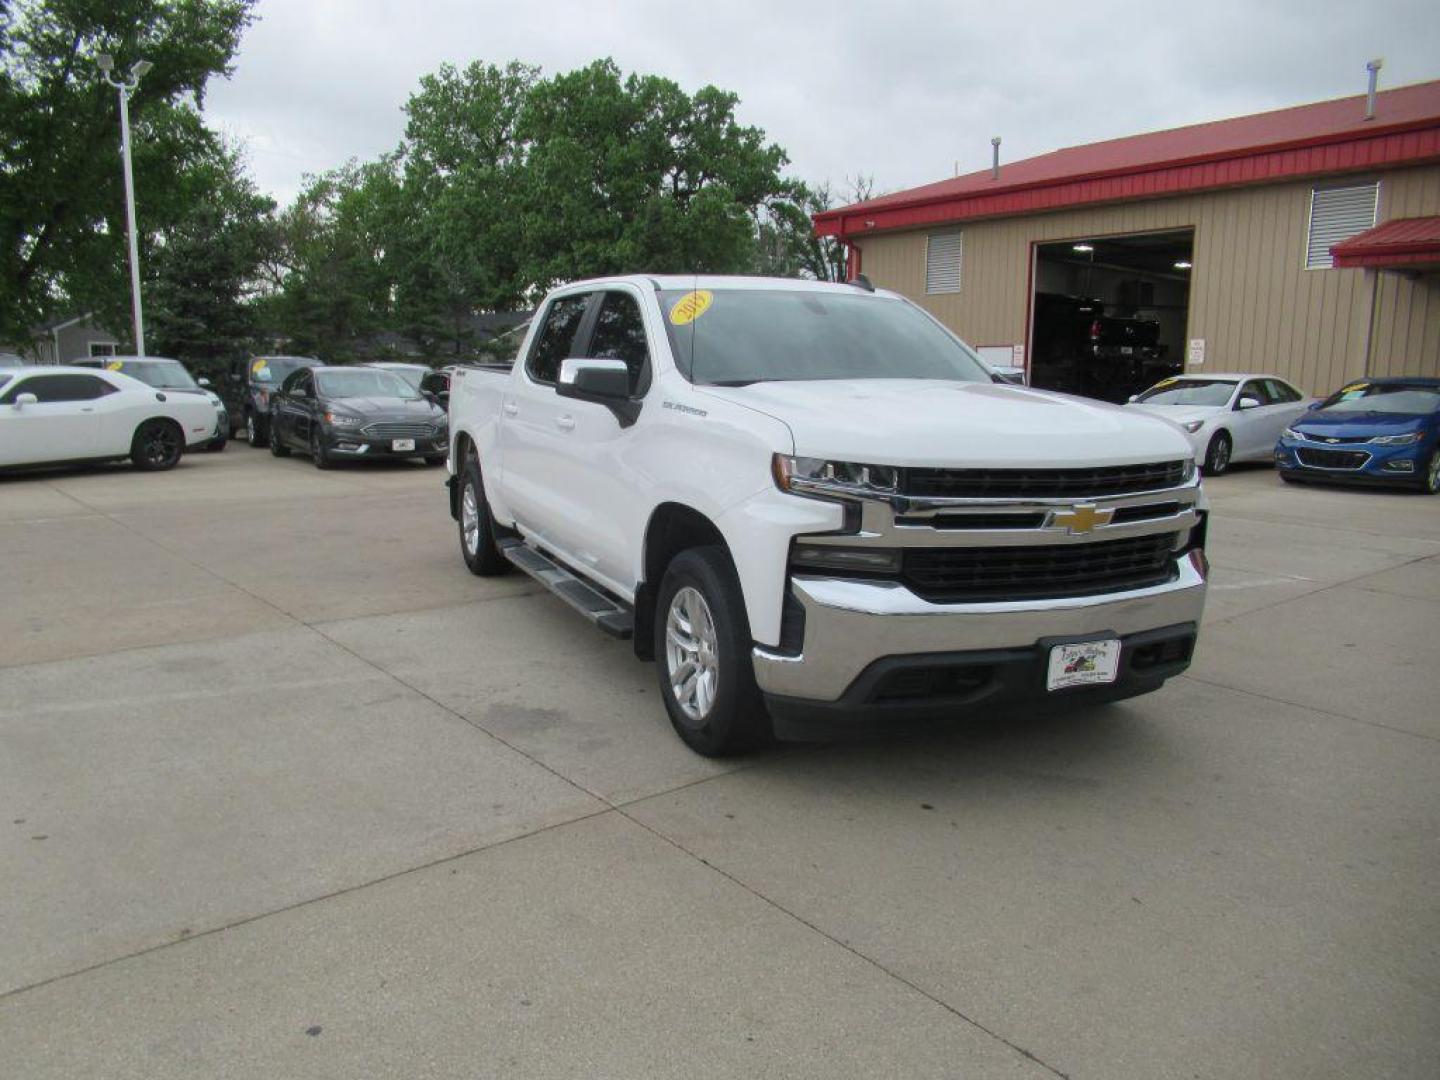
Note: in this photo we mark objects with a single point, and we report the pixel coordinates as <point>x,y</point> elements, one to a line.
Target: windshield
<point>161,374</point>
<point>1211,392</point>
<point>363,382</point>
<point>730,337</point>
<point>1399,398</point>
<point>273,369</point>
<point>411,375</point>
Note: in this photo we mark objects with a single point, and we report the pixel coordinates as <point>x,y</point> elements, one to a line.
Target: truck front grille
<point>970,575</point>
<point>1041,483</point>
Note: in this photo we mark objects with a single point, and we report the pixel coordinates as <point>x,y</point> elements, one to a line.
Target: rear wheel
<point>477,527</point>
<point>254,434</point>
<point>157,445</point>
<point>1217,455</point>
<point>702,649</point>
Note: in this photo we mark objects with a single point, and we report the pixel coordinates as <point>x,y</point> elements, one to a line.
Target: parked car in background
<point>1376,431</point>
<point>335,413</point>
<point>62,415</point>
<point>252,383</point>
<point>1227,417</point>
<point>411,373</point>
<point>170,375</point>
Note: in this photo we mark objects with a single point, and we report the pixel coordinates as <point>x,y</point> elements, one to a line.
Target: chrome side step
<point>609,615</point>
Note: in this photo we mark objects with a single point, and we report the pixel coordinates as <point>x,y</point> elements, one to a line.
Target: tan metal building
<point>1305,242</point>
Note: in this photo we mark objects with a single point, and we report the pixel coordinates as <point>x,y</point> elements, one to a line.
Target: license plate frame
<point>402,444</point>
<point>1092,662</point>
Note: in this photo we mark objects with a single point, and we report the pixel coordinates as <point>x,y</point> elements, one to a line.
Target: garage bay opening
<point>1110,313</point>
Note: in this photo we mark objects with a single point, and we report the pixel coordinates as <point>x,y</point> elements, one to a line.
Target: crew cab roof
<point>719,283</point>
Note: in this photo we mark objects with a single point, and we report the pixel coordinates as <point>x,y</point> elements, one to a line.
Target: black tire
<point>214,446</point>
<point>317,452</point>
<point>255,433</point>
<point>278,448</point>
<point>1290,479</point>
<point>1217,454</point>
<point>477,528</point>
<point>723,713</point>
<point>1430,479</point>
<point>158,445</point>
<point>435,459</point>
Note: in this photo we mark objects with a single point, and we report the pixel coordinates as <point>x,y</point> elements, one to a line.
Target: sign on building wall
<point>1196,353</point>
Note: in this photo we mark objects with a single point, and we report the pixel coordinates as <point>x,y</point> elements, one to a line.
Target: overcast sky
<point>898,90</point>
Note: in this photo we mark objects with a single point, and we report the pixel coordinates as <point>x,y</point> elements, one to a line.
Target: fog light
<point>824,556</point>
<point>1399,466</point>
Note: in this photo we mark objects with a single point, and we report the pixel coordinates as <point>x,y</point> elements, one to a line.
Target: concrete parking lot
<point>285,792</point>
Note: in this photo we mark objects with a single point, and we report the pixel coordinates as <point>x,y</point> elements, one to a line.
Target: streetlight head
<point>106,62</point>
<point>140,68</point>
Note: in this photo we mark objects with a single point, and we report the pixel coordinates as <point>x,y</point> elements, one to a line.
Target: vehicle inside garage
<point>1109,314</point>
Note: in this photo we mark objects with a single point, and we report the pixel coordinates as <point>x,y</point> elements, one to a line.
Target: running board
<point>609,615</point>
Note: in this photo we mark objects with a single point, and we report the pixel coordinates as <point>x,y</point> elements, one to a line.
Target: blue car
<point>1373,431</point>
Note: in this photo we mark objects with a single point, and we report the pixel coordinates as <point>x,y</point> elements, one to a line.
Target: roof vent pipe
<point>1373,67</point>
<point>995,163</point>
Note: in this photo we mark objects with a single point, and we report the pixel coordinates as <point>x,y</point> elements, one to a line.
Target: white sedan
<point>59,415</point>
<point>1227,418</point>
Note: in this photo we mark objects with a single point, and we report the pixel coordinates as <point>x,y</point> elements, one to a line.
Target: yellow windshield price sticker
<point>258,366</point>
<point>691,306</point>
<point>1166,382</point>
<point>114,365</point>
<point>1353,387</point>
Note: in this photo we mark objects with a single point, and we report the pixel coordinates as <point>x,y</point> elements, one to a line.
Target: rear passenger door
<point>535,423</point>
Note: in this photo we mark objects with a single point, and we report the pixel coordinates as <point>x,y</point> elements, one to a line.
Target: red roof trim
<point>1155,170</point>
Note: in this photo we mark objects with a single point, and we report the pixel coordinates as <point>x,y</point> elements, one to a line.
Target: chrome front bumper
<point>849,624</point>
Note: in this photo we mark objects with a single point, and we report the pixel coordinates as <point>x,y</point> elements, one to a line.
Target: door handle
<point>511,409</point>
<point>565,423</point>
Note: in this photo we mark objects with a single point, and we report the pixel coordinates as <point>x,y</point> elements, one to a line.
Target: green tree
<point>785,241</point>
<point>61,195</point>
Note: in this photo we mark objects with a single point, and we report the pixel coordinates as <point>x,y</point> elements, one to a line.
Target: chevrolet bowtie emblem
<point>1082,518</point>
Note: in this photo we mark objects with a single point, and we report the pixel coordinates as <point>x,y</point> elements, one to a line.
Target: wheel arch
<point>673,527</point>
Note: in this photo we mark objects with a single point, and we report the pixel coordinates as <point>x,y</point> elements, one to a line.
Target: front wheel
<point>435,459</point>
<point>482,554</point>
<point>277,445</point>
<point>1217,454</point>
<point>157,445</point>
<point>702,649</point>
<point>317,451</point>
<point>254,433</point>
<point>1430,482</point>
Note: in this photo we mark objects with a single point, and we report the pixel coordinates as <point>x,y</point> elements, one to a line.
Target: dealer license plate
<point>403,444</point>
<point>1083,663</point>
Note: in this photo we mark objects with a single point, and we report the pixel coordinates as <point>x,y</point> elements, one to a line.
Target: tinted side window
<point>1256,389</point>
<point>60,388</point>
<point>556,337</point>
<point>620,335</point>
<point>436,382</point>
<point>1282,392</point>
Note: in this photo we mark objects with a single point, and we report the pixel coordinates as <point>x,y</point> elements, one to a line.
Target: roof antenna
<point>1373,67</point>
<point>995,163</point>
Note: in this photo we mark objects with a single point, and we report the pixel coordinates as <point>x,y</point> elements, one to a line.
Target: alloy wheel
<point>691,654</point>
<point>470,519</point>
<point>161,445</point>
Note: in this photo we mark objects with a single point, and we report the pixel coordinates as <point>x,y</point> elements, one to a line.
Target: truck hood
<point>929,422</point>
<point>409,408</point>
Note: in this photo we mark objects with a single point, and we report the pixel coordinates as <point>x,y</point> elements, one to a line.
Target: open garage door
<point>1109,313</point>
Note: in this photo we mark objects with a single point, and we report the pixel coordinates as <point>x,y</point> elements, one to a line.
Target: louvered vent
<point>1337,214</point>
<point>943,255</point>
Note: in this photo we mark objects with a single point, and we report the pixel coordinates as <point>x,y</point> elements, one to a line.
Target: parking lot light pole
<point>127,86</point>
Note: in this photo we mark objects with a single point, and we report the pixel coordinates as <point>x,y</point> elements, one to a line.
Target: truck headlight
<point>816,476</point>
<point>1397,440</point>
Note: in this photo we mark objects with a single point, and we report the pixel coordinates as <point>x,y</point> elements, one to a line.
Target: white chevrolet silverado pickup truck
<point>816,509</point>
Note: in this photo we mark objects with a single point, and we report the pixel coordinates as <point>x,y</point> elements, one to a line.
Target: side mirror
<point>22,400</point>
<point>1248,402</point>
<point>605,382</point>
<point>1313,406</point>
<point>203,381</point>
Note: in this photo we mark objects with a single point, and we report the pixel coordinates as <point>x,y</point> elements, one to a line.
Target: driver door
<point>61,425</point>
